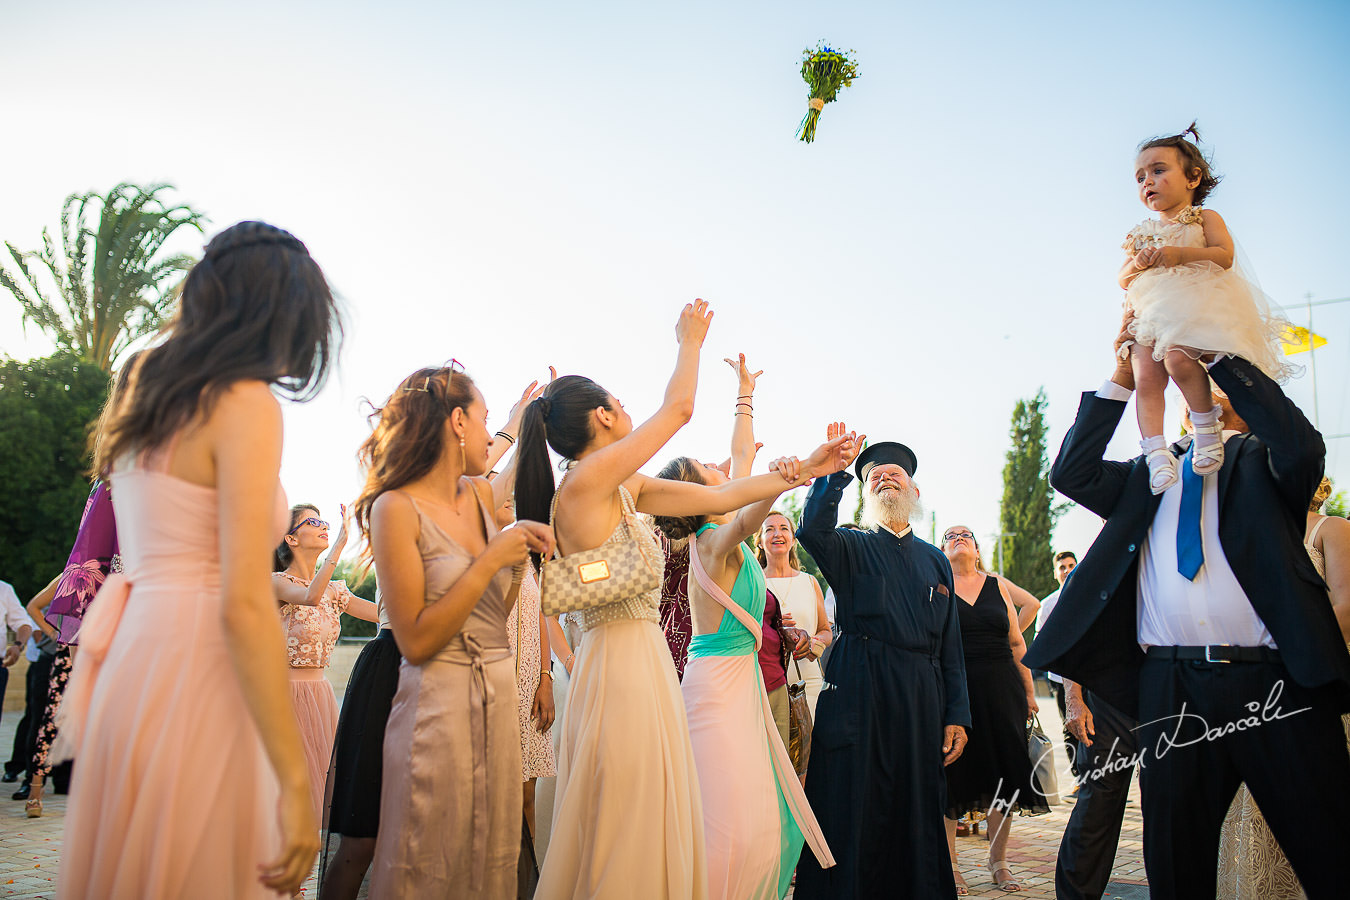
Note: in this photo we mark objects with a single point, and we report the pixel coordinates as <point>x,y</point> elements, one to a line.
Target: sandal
<point>33,809</point>
<point>962,889</point>
<point>1207,455</point>
<point>1162,469</point>
<point>1009,884</point>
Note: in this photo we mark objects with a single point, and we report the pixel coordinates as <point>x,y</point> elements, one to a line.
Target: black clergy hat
<point>886,452</point>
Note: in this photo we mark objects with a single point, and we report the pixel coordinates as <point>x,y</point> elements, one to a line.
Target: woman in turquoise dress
<point>755,813</point>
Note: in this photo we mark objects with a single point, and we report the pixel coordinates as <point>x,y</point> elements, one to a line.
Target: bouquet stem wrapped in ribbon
<point>826,71</point>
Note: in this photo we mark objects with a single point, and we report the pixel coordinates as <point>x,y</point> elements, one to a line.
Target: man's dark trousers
<point>1088,849</point>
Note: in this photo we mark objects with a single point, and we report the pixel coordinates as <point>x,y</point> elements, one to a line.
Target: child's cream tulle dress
<point>1201,307</point>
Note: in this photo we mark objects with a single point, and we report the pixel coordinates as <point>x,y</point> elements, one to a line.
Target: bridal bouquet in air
<point>826,71</point>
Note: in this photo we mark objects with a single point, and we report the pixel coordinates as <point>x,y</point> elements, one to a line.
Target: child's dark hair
<point>1191,159</point>
<point>681,468</point>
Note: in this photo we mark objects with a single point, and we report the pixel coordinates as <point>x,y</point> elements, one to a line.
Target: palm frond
<point>113,284</point>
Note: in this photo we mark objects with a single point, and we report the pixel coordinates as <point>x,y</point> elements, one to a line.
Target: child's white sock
<point>1207,456</point>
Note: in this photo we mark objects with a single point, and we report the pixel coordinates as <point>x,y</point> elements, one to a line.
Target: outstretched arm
<point>743,446</point>
<point>596,478</point>
<point>1294,447</point>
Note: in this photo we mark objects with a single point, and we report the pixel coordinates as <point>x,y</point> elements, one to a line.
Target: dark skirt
<point>994,772</point>
<point>358,750</point>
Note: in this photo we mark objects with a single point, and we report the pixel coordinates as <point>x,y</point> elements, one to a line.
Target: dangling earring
<point>463,461</point>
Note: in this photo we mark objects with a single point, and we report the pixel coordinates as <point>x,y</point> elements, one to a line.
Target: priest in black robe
<point>894,710</point>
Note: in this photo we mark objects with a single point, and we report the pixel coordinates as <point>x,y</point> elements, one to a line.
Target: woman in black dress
<point>993,775</point>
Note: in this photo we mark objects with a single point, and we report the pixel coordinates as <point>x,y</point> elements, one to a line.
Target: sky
<point>523,184</point>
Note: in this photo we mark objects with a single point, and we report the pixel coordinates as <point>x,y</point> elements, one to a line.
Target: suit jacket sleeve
<point>1295,449</point>
<point>817,531</point>
<point>1079,472</point>
<point>954,663</point>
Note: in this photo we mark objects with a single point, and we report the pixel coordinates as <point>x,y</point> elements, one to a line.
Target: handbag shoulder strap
<point>712,590</point>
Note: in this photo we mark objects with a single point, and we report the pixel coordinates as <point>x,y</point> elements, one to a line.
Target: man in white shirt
<point>18,622</point>
<point>1199,613</point>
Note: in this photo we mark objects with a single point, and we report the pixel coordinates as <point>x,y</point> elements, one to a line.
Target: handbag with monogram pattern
<point>607,574</point>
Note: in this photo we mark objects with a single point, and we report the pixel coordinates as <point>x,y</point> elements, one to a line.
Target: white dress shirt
<point>1174,610</point>
<point>1047,607</point>
<point>15,615</point>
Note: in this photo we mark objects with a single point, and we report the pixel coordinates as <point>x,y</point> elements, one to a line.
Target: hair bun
<point>242,235</point>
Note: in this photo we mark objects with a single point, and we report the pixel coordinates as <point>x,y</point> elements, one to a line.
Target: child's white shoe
<point>1162,466</point>
<point>1207,445</point>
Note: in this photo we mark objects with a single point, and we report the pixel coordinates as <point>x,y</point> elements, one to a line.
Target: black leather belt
<point>1216,653</point>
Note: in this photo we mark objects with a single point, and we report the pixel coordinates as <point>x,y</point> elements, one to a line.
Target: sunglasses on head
<point>953,535</point>
<point>317,523</point>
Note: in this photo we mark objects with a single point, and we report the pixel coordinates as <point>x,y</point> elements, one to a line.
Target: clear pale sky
<point>519,184</point>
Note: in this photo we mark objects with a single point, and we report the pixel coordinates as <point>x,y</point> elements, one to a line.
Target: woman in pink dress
<point>627,817</point>
<point>312,605</point>
<point>192,780</point>
<point>450,805</point>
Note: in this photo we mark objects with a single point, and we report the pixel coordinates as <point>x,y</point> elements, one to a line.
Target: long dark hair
<point>1191,160</point>
<point>409,436</point>
<point>561,419</point>
<point>283,555</point>
<point>256,306</point>
<point>681,468</point>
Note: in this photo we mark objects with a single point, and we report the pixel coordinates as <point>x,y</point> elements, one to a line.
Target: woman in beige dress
<point>1251,864</point>
<point>627,819</point>
<point>451,800</point>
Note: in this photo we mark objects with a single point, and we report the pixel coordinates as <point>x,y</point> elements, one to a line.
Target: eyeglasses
<point>953,535</point>
<point>317,523</point>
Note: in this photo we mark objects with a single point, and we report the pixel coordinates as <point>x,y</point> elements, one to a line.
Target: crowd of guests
<point>683,740</point>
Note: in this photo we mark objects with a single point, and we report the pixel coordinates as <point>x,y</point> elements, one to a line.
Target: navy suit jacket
<point>1267,480</point>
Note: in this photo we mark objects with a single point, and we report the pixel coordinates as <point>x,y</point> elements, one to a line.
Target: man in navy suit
<point>1198,613</point>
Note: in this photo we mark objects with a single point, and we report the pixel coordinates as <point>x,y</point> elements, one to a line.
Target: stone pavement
<point>30,848</point>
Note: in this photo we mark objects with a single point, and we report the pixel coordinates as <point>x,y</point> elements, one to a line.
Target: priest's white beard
<point>892,506</point>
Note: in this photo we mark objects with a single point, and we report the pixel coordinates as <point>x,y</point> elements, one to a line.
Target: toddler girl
<point>1188,302</point>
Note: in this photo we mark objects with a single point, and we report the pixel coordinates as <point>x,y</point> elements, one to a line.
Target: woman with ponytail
<point>450,807</point>
<point>627,819</point>
<point>192,780</point>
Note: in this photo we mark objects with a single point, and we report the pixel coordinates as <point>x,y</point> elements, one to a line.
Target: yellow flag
<point>1300,340</point>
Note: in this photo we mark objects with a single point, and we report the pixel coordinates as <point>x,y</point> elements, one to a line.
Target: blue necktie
<point>1190,548</point>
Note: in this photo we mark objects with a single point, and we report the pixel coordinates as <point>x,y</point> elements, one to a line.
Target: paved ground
<point>30,848</point>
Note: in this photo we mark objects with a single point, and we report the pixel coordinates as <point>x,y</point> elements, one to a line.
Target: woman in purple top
<point>60,609</point>
<point>773,656</point>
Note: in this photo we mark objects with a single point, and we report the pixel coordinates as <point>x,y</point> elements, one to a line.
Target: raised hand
<point>790,467</point>
<point>692,326</point>
<point>533,391</point>
<point>840,448</point>
<point>341,540</point>
<point>746,378</point>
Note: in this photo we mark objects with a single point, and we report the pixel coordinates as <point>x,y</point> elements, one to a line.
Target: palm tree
<point>111,288</point>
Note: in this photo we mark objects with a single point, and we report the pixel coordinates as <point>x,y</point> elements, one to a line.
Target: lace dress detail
<point>1251,863</point>
<point>312,631</point>
<point>1201,307</point>
<point>522,630</point>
